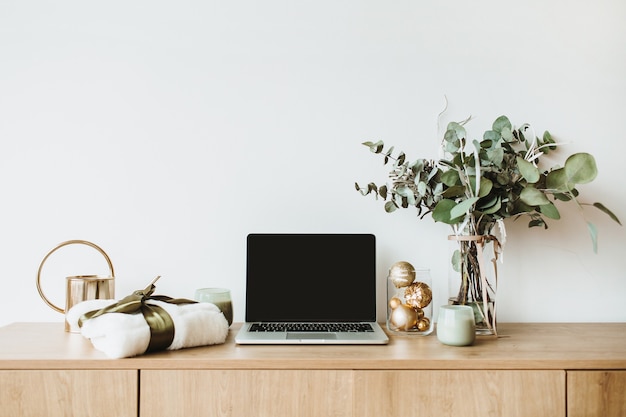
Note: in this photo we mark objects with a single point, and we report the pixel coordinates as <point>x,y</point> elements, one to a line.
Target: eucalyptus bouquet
<point>473,187</point>
<point>476,185</point>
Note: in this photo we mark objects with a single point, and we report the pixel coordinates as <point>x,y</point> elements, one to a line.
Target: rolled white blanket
<point>121,335</point>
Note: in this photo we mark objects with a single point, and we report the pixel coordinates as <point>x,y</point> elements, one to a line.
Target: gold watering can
<point>81,287</point>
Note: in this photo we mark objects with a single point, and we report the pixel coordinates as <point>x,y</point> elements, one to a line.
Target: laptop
<point>311,289</point>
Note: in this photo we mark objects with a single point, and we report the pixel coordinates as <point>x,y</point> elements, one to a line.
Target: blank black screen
<point>311,277</point>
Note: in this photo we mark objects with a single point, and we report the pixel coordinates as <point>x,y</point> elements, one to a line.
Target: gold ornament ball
<point>418,295</point>
<point>403,317</point>
<point>423,324</point>
<point>419,313</point>
<point>395,302</point>
<point>402,274</point>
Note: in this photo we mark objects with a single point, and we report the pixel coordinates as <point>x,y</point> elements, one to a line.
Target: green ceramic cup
<point>456,326</point>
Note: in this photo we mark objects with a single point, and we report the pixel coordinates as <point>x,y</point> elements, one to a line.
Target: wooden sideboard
<point>534,370</point>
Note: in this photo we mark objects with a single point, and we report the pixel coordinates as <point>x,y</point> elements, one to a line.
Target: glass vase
<point>409,300</point>
<point>473,277</point>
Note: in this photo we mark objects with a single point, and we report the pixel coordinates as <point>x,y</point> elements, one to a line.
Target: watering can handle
<point>60,245</point>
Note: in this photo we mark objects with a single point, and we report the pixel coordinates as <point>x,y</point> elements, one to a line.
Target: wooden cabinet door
<point>72,393</point>
<point>596,393</point>
<point>236,393</point>
<point>459,393</point>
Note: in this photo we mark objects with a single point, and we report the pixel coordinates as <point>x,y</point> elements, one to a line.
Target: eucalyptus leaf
<point>417,165</point>
<point>371,187</point>
<point>375,147</point>
<point>601,207</point>
<point>421,188</point>
<point>452,142</point>
<point>390,207</point>
<point>528,170</point>
<point>492,137</point>
<point>477,168</point>
<point>485,186</point>
<point>558,180</point>
<point>507,134</point>
<point>495,207</point>
<point>458,129</point>
<point>496,156</point>
<point>526,134</point>
<point>456,261</point>
<point>503,178</point>
<point>452,146</point>
<point>401,158</point>
<point>533,197</point>
<point>563,196</point>
<point>454,191</point>
<point>463,207</point>
<point>537,223</point>
<point>550,211</point>
<point>547,140</point>
<point>383,191</point>
<point>593,232</point>
<point>581,168</point>
<point>520,207</point>
<point>501,123</point>
<point>441,212</point>
<point>403,190</point>
<point>450,178</point>
<point>483,203</point>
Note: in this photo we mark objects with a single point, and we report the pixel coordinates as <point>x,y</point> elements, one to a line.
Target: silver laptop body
<point>311,289</point>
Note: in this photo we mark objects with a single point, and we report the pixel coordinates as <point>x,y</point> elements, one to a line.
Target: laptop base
<point>377,337</point>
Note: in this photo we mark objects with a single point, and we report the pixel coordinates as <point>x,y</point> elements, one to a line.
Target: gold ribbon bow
<point>160,322</point>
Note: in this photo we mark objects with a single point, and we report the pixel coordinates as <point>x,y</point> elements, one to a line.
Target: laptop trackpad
<point>311,335</point>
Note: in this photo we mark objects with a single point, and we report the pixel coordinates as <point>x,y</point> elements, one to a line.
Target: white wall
<point>167,131</point>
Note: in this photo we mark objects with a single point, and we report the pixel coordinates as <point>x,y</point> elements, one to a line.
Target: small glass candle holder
<point>456,325</point>
<point>218,296</point>
<point>409,300</point>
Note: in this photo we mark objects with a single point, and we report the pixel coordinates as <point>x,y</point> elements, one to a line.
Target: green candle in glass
<point>218,296</point>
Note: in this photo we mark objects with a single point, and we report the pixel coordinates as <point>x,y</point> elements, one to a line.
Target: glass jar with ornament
<point>409,299</point>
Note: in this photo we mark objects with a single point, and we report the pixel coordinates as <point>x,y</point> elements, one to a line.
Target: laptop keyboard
<point>311,327</point>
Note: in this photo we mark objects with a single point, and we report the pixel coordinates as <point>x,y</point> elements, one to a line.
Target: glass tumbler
<point>218,296</point>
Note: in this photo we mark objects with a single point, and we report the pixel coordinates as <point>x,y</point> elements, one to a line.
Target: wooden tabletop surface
<point>518,346</point>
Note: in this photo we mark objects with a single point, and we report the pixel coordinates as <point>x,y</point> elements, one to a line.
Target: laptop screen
<point>311,277</point>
